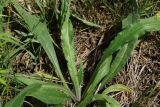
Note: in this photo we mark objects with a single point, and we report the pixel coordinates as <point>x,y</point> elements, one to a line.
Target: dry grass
<point>141,71</point>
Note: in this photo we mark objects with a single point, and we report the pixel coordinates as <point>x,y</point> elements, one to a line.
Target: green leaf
<point>58,105</point>
<point>81,73</point>
<point>19,99</point>
<point>135,31</point>
<point>108,105</point>
<point>94,84</point>
<point>109,100</point>
<point>67,44</point>
<point>6,37</point>
<point>40,30</point>
<point>15,51</point>
<point>86,22</point>
<point>119,61</point>
<point>49,95</point>
<point>101,71</point>
<point>29,80</point>
<point>2,81</point>
<point>131,18</point>
<point>3,71</point>
<point>123,43</point>
<point>116,88</point>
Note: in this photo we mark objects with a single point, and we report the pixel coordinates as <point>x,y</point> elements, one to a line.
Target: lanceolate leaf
<point>109,100</point>
<point>116,88</point>
<point>119,61</point>
<point>50,95</point>
<point>93,85</point>
<point>28,80</point>
<point>19,99</point>
<point>129,36</point>
<point>40,30</point>
<point>45,93</point>
<point>101,71</point>
<point>68,44</point>
<point>86,22</point>
<point>135,31</point>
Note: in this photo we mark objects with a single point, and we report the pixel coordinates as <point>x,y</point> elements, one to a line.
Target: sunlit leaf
<point>3,71</point>
<point>116,88</point>
<point>50,95</point>
<point>2,81</point>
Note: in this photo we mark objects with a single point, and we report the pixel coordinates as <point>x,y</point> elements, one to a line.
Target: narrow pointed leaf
<point>135,31</point>
<point>116,88</point>
<point>86,22</point>
<point>40,30</point>
<point>28,80</point>
<point>67,43</point>
<point>49,95</point>
<point>119,61</point>
<point>94,83</point>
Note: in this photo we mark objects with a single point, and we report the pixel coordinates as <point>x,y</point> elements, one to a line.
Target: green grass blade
<point>86,22</point>
<point>6,37</point>
<point>117,88</point>
<point>40,30</point>
<point>18,100</point>
<point>67,43</point>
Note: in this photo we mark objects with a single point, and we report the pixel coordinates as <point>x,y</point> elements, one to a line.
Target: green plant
<point>112,60</point>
